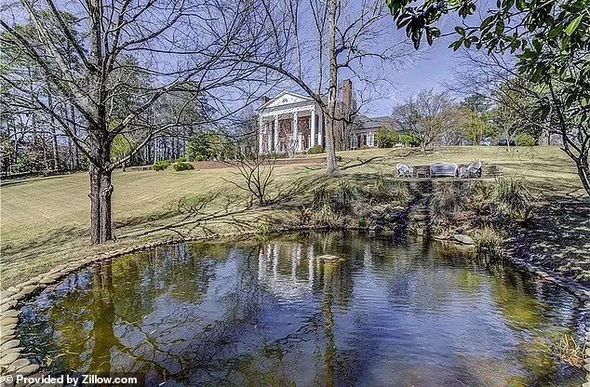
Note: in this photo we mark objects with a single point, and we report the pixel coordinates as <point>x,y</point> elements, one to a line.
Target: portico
<point>288,124</point>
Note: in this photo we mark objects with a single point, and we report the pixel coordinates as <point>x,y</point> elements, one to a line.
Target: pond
<point>273,313</point>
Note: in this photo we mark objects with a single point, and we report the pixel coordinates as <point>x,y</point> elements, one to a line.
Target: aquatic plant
<point>569,351</point>
<point>489,243</point>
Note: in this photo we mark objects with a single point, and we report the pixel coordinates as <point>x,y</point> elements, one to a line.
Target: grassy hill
<point>45,220</point>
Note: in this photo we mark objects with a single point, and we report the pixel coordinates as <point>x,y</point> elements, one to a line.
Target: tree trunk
<point>101,191</point>
<point>53,133</point>
<point>75,154</point>
<point>55,149</point>
<point>331,161</point>
<point>584,172</point>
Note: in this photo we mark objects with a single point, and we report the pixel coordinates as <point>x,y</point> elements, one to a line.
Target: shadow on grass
<point>57,236</point>
<point>559,237</point>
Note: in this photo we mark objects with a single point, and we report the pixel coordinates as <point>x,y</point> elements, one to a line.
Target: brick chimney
<point>347,94</point>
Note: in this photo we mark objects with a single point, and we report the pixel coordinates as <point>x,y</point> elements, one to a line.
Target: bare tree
<point>314,43</point>
<point>426,116</point>
<point>178,46</point>
<point>512,100</point>
<point>255,176</point>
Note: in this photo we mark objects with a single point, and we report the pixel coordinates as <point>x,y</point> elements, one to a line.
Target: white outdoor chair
<point>474,169</point>
<point>404,170</point>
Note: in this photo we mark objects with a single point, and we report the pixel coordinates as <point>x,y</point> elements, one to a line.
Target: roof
<point>285,98</point>
<point>375,122</point>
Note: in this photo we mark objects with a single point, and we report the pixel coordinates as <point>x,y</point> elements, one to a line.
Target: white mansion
<point>292,123</point>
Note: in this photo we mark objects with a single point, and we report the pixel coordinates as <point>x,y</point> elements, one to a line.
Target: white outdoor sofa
<point>444,170</point>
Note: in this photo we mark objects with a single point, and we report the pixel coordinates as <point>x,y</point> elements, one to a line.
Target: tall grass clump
<point>569,351</point>
<point>489,243</point>
<point>338,198</point>
<point>385,191</point>
<point>513,198</point>
<point>448,201</point>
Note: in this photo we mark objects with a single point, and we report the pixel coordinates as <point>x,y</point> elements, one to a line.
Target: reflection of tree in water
<point>70,337</point>
<point>204,314</point>
<point>330,273</point>
<point>103,321</point>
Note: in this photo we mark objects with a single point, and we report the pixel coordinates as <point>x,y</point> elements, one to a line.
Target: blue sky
<point>431,69</point>
<point>433,66</point>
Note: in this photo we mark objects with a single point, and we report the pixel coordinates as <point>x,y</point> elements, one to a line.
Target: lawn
<point>44,221</point>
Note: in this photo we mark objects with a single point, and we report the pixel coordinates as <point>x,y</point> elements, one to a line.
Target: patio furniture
<point>474,169</point>
<point>444,170</point>
<point>471,170</point>
<point>404,170</point>
<point>422,171</point>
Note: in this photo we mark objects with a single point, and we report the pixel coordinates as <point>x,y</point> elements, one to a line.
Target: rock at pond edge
<point>464,239</point>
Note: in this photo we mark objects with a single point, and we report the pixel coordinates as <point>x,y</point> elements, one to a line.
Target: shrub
<point>182,166</point>
<point>408,140</point>
<point>316,150</point>
<point>161,165</point>
<point>525,140</point>
<point>182,159</point>
<point>386,138</point>
<point>255,176</point>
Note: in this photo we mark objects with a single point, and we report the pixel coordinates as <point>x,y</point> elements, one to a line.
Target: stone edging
<point>13,361</point>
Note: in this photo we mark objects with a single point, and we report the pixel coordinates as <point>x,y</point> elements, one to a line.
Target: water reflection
<point>276,314</point>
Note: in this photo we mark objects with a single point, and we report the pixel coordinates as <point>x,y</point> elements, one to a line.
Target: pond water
<point>272,313</point>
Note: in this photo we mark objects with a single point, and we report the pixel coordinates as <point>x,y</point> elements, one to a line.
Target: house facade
<point>292,123</point>
<point>289,123</point>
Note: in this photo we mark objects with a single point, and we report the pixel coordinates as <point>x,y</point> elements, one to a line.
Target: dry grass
<point>45,221</point>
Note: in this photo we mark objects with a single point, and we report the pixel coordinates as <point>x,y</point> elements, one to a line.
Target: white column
<point>312,125</point>
<point>276,129</point>
<point>297,144</point>
<point>268,138</point>
<point>260,135</point>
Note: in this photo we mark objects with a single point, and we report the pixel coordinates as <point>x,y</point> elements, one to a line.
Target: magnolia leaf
<point>571,28</point>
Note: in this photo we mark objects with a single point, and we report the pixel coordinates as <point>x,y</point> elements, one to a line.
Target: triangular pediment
<point>285,98</point>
